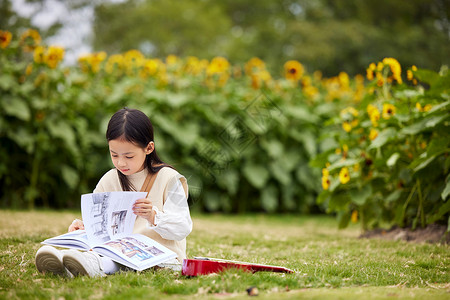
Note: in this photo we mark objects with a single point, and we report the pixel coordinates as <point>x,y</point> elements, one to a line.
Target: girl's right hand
<point>76,225</point>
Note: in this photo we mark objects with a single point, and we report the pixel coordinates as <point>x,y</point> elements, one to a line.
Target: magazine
<point>108,221</point>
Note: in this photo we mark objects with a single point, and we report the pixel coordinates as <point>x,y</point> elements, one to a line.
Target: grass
<point>329,263</point>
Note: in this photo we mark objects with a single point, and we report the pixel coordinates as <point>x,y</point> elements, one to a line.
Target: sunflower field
<point>371,149</point>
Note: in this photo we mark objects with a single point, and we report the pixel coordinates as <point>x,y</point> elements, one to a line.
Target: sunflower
<point>149,68</point>
<point>30,39</point>
<point>347,126</point>
<point>171,60</point>
<point>388,110</point>
<point>194,65</point>
<point>38,54</point>
<point>344,80</point>
<point>29,69</point>
<point>115,61</point>
<point>310,91</point>
<point>254,65</point>
<point>369,71</point>
<point>344,175</point>
<point>293,70</point>
<point>373,134</point>
<point>410,74</point>
<point>5,38</point>
<point>133,59</point>
<point>53,56</point>
<point>260,77</point>
<point>374,114</point>
<point>395,68</point>
<point>218,65</point>
<point>419,107</point>
<point>325,179</point>
<point>93,61</point>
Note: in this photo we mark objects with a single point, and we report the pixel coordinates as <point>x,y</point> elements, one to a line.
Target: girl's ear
<point>150,147</point>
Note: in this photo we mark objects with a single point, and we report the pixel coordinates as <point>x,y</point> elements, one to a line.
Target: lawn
<point>329,263</point>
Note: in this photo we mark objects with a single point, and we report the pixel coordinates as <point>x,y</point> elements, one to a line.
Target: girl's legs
<point>70,262</point>
<point>50,260</point>
<point>109,266</point>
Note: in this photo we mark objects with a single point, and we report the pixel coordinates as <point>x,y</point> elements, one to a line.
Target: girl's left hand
<point>144,208</point>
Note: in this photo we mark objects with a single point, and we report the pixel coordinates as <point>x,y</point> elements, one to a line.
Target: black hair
<point>134,126</point>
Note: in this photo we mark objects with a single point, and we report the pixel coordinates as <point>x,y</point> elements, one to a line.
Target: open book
<point>108,221</point>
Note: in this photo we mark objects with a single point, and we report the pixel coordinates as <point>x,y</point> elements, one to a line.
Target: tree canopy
<point>326,35</point>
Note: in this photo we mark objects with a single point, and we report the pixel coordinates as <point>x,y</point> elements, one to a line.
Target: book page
<point>108,214</point>
<point>75,240</point>
<point>136,251</point>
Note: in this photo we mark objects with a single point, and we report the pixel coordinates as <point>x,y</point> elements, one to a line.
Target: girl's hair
<point>135,127</point>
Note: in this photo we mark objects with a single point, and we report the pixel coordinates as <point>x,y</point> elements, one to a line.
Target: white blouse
<point>174,223</point>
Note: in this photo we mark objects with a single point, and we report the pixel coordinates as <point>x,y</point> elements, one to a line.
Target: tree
<point>161,27</point>
<point>326,35</point>
<point>10,20</point>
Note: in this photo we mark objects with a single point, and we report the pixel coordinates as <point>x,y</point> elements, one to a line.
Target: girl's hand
<point>144,208</point>
<point>76,225</point>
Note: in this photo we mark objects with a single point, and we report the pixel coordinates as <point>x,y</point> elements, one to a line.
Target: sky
<point>74,35</point>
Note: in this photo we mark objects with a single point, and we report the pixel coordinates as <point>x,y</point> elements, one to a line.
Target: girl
<point>163,216</point>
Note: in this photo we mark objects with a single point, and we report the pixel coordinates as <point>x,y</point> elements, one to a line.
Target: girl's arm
<point>174,222</point>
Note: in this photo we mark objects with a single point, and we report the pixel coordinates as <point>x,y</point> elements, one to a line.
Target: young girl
<point>163,216</point>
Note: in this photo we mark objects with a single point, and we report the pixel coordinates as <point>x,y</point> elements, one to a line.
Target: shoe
<point>83,263</point>
<point>50,260</point>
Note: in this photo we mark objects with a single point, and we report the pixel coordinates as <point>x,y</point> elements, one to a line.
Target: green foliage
<point>394,148</point>
<point>244,140</point>
<point>224,132</point>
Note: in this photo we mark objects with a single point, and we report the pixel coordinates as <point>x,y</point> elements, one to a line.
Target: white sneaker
<point>50,260</point>
<point>83,263</point>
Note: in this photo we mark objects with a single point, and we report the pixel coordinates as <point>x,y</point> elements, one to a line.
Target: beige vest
<point>165,179</point>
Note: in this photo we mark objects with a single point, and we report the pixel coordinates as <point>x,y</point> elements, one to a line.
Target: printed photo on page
<point>108,214</point>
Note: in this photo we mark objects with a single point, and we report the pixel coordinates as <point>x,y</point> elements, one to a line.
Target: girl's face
<point>127,157</point>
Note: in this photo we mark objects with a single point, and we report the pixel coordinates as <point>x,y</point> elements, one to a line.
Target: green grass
<point>329,263</point>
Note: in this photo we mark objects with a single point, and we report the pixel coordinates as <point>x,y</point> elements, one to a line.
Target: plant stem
<point>420,208</point>
<point>406,203</point>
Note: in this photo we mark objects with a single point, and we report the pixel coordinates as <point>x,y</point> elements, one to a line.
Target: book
<point>108,221</point>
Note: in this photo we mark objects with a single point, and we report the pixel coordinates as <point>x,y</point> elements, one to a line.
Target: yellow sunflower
<point>254,65</point>
<point>38,54</point>
<point>293,70</point>
<point>395,68</point>
<point>171,60</point>
<point>347,126</point>
<point>325,179</point>
<point>388,110</point>
<point>218,65</point>
<point>5,38</point>
<point>133,59</point>
<point>370,70</point>
<point>149,68</point>
<point>373,134</point>
<point>374,114</point>
<point>114,62</point>
<point>53,56</point>
<point>194,65</point>
<point>344,175</point>
<point>30,39</point>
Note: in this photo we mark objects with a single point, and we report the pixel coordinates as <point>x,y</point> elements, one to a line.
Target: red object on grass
<point>194,267</point>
